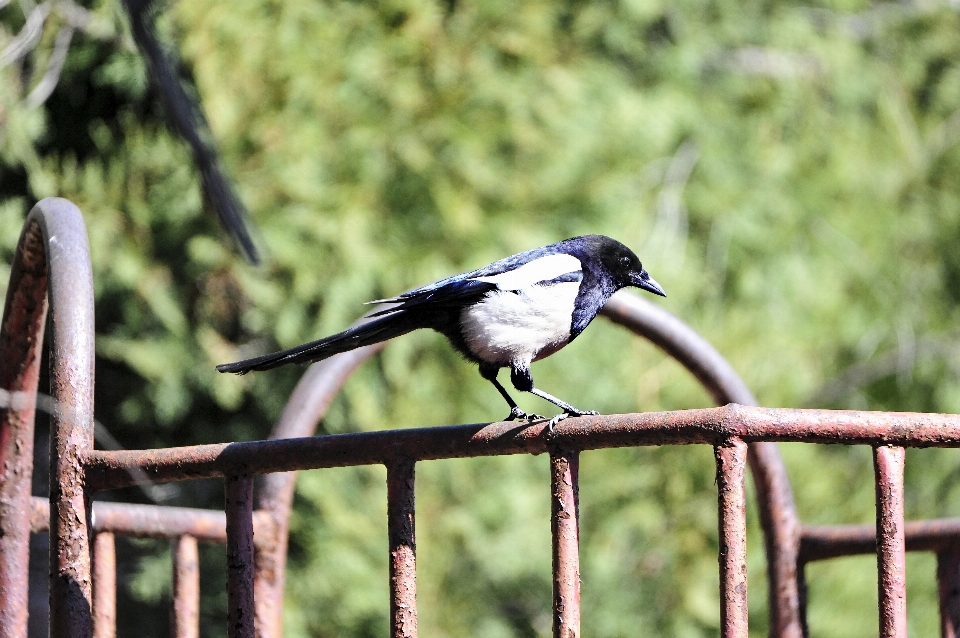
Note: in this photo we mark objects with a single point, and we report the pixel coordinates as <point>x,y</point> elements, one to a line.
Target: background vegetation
<point>787,169</point>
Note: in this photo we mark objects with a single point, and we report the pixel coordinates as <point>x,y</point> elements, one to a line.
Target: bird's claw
<point>563,415</point>
<point>517,413</point>
<point>552,422</point>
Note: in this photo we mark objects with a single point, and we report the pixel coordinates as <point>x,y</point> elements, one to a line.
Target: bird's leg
<point>489,372</point>
<point>568,410</point>
<point>523,381</point>
<point>515,411</point>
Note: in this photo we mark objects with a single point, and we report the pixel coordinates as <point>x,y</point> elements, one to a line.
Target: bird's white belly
<point>510,327</point>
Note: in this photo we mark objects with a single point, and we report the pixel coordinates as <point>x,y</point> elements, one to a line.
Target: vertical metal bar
<point>71,596</point>
<point>104,586</point>
<point>781,538</point>
<point>240,557</point>
<point>731,460</point>
<point>269,569</point>
<point>186,588</point>
<point>948,584</point>
<point>565,529</point>
<point>801,601</point>
<point>21,343</point>
<point>891,542</point>
<point>401,515</point>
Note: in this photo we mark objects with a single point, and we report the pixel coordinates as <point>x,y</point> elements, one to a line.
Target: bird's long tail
<point>365,334</point>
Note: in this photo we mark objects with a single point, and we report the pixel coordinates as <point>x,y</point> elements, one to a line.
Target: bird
<point>515,311</point>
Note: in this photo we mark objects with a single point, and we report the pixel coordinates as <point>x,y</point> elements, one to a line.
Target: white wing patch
<point>540,269</point>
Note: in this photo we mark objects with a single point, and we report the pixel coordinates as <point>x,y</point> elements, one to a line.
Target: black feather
<point>359,336</point>
<point>456,294</point>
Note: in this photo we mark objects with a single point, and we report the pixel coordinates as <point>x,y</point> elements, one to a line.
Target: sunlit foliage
<point>787,171</point>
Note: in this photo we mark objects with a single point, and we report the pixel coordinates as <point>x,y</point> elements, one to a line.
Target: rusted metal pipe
<point>268,562</point>
<point>238,490</point>
<point>565,530</point>
<point>891,548</point>
<point>802,598</point>
<point>822,542</point>
<point>186,588</point>
<point>108,469</point>
<point>156,521</point>
<point>731,457</point>
<point>70,296</point>
<point>104,586</point>
<point>781,539</point>
<point>948,587</point>
<point>401,528</point>
<point>21,341</point>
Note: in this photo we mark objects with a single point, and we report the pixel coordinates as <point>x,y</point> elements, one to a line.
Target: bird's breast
<point>517,327</point>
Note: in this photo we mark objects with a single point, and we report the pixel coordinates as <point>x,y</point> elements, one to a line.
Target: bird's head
<point>625,267</point>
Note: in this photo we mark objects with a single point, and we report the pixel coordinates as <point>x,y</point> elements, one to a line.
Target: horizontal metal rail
<point>711,426</point>
<point>156,521</point>
<point>823,542</point>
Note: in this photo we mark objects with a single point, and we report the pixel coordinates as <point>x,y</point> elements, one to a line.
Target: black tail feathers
<point>364,334</point>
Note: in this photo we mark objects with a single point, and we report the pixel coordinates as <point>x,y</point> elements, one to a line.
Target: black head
<point>621,264</point>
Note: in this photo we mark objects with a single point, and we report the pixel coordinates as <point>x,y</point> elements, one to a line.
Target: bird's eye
<point>625,262</point>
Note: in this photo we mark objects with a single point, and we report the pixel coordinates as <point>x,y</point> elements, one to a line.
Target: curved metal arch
<point>51,270</point>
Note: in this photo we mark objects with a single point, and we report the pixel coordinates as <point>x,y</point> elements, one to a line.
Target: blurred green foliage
<point>787,171</point>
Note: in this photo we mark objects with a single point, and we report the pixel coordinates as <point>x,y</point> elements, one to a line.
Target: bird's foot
<point>567,413</point>
<point>517,413</point>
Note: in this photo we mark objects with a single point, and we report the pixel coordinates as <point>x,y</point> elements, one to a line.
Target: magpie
<point>506,315</point>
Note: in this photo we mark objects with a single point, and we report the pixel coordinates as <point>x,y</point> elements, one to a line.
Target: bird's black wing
<point>441,295</point>
<point>461,290</point>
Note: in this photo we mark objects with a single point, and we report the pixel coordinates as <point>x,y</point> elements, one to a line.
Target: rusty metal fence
<point>52,271</point>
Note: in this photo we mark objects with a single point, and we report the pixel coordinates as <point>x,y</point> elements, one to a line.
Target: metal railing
<point>52,268</point>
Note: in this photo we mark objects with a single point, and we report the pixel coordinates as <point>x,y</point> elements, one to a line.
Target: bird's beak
<point>648,283</point>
